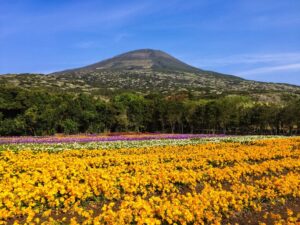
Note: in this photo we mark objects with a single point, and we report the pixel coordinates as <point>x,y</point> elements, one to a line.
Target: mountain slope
<point>140,60</point>
<point>146,71</point>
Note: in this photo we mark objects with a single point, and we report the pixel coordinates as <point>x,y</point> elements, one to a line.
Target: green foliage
<point>37,112</point>
<point>133,110</point>
<point>70,126</point>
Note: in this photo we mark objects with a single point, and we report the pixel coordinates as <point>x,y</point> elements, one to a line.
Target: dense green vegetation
<point>38,112</point>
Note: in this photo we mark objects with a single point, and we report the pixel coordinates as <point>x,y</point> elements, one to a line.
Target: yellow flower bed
<point>210,183</point>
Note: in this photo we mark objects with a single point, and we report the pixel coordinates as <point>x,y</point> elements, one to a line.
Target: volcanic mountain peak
<point>142,59</point>
<point>146,71</point>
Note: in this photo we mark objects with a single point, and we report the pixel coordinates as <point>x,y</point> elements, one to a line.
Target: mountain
<point>147,71</point>
<point>140,60</point>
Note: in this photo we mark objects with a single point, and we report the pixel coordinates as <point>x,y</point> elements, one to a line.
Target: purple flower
<point>97,138</point>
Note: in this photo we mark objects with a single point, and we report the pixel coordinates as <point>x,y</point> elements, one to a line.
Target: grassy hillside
<point>146,71</point>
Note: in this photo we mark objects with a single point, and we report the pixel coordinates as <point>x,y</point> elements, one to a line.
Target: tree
<point>70,126</point>
<point>188,115</point>
<point>174,114</point>
<point>133,109</point>
<point>39,112</point>
<point>230,108</point>
<point>31,119</point>
<point>212,115</point>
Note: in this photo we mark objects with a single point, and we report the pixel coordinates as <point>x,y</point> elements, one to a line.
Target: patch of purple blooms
<point>92,138</point>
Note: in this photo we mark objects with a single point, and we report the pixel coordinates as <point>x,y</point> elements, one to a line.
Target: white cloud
<point>287,58</point>
<point>276,67</point>
<point>272,69</point>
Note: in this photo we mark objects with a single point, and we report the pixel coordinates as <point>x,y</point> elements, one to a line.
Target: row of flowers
<point>102,138</point>
<point>117,144</point>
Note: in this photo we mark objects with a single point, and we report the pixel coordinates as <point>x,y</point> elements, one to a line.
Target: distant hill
<point>146,71</point>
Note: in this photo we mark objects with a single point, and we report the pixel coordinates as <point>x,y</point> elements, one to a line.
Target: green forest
<point>38,112</point>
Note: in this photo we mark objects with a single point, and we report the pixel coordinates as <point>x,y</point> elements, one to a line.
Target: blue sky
<point>255,39</point>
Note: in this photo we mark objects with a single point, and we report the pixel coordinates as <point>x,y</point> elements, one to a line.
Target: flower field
<point>42,144</point>
<point>102,138</point>
<point>232,180</point>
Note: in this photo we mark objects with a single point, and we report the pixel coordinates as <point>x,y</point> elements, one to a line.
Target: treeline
<point>24,112</point>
